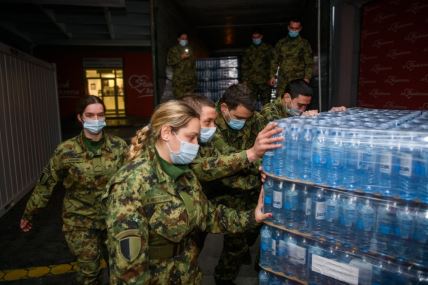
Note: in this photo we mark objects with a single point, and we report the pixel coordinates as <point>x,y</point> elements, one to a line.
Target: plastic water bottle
<point>388,166</point>
<point>423,185</point>
<point>267,162</point>
<point>291,206</point>
<point>296,258</point>
<point>336,158</point>
<point>275,280</point>
<point>421,238</point>
<point>282,253</point>
<point>276,237</point>
<point>263,278</point>
<point>315,278</point>
<point>292,147</point>
<point>306,209</point>
<point>280,154</point>
<point>265,246</point>
<point>404,232</point>
<point>332,216</point>
<point>319,212</point>
<point>277,203</point>
<point>319,155</point>
<point>349,220</point>
<point>366,225</point>
<point>368,163</point>
<point>409,174</point>
<point>268,186</point>
<point>350,172</point>
<point>386,219</point>
<point>305,152</point>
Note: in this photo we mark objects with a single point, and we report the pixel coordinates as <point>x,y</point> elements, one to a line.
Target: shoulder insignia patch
<point>129,244</point>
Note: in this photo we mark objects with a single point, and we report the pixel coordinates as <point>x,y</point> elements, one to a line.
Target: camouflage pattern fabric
<point>84,175</point>
<point>255,70</point>
<point>184,71</point>
<point>294,56</point>
<point>149,212</point>
<point>239,191</point>
<point>88,245</point>
<point>274,111</point>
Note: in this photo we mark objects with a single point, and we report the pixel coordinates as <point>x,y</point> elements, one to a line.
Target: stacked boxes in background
<point>349,197</point>
<point>215,75</point>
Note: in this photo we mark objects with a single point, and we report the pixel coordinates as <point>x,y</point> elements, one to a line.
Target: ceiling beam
<point>91,3</point>
<point>61,26</point>
<point>74,42</point>
<point>11,29</point>
<point>107,16</point>
<point>240,25</point>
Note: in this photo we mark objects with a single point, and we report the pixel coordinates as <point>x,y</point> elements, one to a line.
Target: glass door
<point>108,85</point>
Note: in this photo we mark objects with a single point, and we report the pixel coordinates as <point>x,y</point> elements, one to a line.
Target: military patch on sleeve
<point>129,244</point>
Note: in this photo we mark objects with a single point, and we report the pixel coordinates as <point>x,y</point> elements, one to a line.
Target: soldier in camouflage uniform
<point>255,68</point>
<point>293,102</point>
<point>216,159</point>
<point>155,205</point>
<point>239,125</point>
<point>84,165</point>
<point>297,97</point>
<point>181,58</point>
<point>293,55</point>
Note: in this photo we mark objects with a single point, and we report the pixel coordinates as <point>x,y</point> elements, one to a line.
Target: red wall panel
<point>138,78</point>
<point>394,55</point>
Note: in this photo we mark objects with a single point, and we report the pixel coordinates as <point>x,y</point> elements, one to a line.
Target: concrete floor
<point>44,246</point>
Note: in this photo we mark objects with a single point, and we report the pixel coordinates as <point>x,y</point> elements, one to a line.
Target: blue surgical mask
<point>293,34</point>
<point>183,43</point>
<point>186,154</point>
<point>94,126</point>
<point>236,124</point>
<point>257,41</point>
<point>206,134</point>
<point>294,112</point>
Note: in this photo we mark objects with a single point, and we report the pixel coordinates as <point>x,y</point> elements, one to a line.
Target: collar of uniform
<point>107,145</point>
<point>172,170</point>
<point>220,121</point>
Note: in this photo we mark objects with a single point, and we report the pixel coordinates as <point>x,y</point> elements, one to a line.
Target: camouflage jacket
<point>256,61</point>
<point>84,176</point>
<point>247,179</point>
<point>184,70</point>
<point>149,212</point>
<point>294,56</point>
<point>274,111</point>
<point>216,160</point>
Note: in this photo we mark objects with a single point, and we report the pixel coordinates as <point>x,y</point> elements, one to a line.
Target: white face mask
<point>94,126</point>
<point>207,134</point>
<point>186,154</point>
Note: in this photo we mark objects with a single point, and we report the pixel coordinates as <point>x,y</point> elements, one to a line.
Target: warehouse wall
<point>394,55</point>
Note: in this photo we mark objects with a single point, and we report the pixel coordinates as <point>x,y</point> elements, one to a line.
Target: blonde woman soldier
<point>155,204</point>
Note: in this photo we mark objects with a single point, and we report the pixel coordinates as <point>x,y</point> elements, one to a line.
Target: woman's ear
<point>79,118</point>
<point>165,132</point>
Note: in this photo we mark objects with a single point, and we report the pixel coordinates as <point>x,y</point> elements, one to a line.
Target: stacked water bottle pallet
<point>349,194</point>
<point>215,75</point>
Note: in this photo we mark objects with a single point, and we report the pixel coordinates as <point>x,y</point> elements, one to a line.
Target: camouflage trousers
<point>181,89</point>
<point>88,245</point>
<point>236,246</point>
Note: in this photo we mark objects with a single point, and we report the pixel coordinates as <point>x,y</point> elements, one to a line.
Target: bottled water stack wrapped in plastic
<point>349,197</point>
<point>382,152</point>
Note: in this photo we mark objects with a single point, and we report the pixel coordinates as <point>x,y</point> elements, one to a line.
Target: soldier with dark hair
<point>239,124</point>
<point>83,164</point>
<point>293,102</point>
<point>293,56</point>
<point>181,58</point>
<point>255,68</point>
